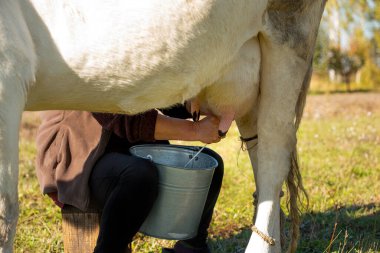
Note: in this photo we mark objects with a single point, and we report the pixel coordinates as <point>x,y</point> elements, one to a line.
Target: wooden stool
<point>80,229</point>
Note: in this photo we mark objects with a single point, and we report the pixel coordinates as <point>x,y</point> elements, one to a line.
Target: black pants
<point>125,187</point>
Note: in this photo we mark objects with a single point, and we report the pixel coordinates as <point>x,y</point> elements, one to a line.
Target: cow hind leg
<point>283,74</point>
<point>248,132</point>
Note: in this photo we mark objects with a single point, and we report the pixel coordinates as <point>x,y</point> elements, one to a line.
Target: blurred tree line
<point>348,44</point>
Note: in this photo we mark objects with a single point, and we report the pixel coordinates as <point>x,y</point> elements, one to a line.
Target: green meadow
<point>339,149</point>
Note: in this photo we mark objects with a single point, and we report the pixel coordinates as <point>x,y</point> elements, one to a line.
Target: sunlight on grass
<point>340,160</point>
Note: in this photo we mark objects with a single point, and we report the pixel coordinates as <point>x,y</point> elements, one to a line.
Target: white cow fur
<point>130,56</point>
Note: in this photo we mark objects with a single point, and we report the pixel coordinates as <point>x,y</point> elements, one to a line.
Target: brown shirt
<point>70,142</point>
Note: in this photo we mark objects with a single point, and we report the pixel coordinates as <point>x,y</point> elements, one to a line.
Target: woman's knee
<point>219,170</point>
<point>148,171</point>
<point>144,172</point>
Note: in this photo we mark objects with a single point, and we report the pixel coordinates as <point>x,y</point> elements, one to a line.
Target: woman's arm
<point>151,125</point>
<point>205,130</point>
<point>134,128</point>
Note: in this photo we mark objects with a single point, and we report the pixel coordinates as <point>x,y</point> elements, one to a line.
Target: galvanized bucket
<point>182,191</point>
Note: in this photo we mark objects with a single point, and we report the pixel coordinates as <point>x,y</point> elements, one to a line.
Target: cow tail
<point>296,190</point>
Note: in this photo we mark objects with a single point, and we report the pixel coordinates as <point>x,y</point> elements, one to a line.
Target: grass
<point>340,160</point>
<point>341,170</point>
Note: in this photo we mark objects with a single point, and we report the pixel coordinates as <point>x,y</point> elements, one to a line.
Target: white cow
<point>250,58</point>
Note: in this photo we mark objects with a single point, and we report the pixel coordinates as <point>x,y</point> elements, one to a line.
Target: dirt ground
<point>342,105</point>
<point>317,107</point>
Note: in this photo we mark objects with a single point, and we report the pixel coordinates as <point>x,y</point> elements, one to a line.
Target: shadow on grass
<point>357,229</point>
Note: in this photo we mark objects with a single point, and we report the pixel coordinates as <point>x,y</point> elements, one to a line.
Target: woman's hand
<point>206,130</point>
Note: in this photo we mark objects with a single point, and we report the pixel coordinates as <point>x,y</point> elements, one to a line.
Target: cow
<point>245,60</point>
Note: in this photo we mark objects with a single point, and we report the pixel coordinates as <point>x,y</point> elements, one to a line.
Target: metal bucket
<point>182,191</point>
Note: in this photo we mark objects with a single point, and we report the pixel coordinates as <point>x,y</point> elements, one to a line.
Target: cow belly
<point>87,52</point>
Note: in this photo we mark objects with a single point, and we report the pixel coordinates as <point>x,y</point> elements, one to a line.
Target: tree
<point>320,60</point>
<point>353,28</point>
<point>344,64</point>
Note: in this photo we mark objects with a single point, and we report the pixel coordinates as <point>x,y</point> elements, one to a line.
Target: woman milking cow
<point>132,56</point>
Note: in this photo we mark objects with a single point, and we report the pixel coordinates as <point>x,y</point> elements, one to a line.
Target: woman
<point>83,161</point>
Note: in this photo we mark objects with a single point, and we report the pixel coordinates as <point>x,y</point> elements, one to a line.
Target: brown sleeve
<point>134,128</point>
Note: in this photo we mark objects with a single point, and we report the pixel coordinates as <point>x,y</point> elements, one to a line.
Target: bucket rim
<point>174,147</point>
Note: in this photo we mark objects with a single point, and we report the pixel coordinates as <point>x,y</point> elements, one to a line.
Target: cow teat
<point>226,114</point>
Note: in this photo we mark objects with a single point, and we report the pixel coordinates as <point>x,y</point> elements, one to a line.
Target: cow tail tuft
<point>296,190</point>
